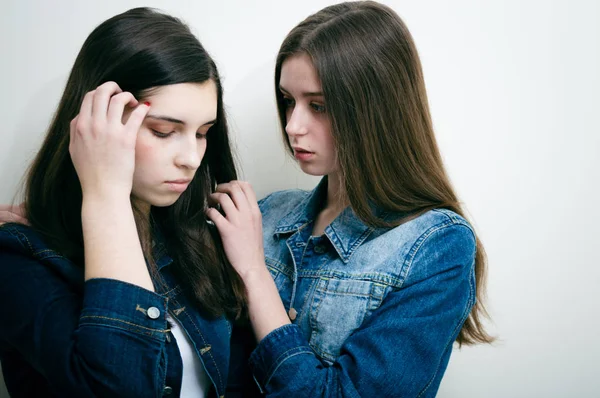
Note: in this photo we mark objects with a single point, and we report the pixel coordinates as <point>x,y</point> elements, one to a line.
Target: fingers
<point>86,106</point>
<point>250,195</point>
<point>116,106</point>
<point>225,202</point>
<point>217,218</point>
<point>105,107</point>
<point>102,97</point>
<point>137,118</point>
<point>9,216</point>
<point>234,190</point>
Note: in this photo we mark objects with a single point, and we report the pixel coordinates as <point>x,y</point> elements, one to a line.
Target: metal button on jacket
<point>153,313</point>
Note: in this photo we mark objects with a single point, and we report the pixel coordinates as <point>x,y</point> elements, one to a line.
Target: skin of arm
<point>102,148</point>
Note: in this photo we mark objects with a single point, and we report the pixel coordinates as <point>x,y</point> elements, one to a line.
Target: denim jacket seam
<point>278,266</point>
<point>169,293</point>
<point>313,312</point>
<point>378,278</point>
<point>419,242</point>
<point>221,387</point>
<point>45,251</point>
<point>451,217</point>
<point>359,241</point>
<point>282,358</point>
<point>22,239</point>
<point>135,325</point>
<point>20,236</point>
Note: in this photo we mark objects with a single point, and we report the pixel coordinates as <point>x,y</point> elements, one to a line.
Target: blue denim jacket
<point>63,337</point>
<point>378,309</point>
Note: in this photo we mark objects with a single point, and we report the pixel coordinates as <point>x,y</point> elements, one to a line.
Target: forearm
<point>111,242</point>
<point>266,310</point>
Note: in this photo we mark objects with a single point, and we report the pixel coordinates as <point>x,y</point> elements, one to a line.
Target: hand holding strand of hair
<point>102,145</point>
<point>240,225</point>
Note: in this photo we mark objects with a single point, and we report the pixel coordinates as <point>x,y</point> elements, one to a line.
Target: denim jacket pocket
<point>339,307</point>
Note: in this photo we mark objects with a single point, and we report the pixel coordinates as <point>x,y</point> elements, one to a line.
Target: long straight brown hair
<point>374,91</point>
<point>141,50</point>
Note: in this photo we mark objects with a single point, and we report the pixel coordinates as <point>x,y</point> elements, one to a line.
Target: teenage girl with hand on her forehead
<point>372,276</point>
<point>119,287</point>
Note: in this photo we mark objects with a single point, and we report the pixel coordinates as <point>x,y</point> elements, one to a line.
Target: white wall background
<point>514,89</point>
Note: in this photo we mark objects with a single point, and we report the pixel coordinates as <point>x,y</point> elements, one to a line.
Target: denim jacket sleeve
<point>402,348</point>
<point>106,344</point>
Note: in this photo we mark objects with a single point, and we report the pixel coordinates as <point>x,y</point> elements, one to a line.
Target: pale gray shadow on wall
<point>27,139</point>
<point>257,133</point>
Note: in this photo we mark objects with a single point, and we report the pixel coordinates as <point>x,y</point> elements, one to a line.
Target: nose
<point>190,153</point>
<point>297,122</point>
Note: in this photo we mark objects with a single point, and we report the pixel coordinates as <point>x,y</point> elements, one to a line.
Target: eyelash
<point>166,135</point>
<point>288,102</point>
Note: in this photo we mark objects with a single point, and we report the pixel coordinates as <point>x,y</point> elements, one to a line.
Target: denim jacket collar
<point>345,233</point>
<point>161,257</point>
<point>159,250</point>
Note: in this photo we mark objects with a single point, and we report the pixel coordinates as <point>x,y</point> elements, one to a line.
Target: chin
<point>161,200</point>
<point>313,170</point>
<point>164,202</point>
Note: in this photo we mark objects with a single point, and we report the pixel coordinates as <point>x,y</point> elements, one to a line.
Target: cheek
<point>202,144</point>
<point>146,157</point>
<point>144,151</point>
<point>326,136</point>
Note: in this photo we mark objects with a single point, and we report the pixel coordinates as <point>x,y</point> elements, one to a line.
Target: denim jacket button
<point>292,313</point>
<point>167,391</point>
<point>320,249</point>
<point>153,313</point>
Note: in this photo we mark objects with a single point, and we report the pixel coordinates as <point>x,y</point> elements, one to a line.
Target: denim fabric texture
<point>377,309</point>
<point>63,337</point>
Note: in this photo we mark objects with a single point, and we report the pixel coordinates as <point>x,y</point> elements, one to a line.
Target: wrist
<point>256,274</point>
<point>108,205</point>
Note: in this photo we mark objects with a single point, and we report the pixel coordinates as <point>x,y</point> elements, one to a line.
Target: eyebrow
<point>176,121</point>
<point>304,94</point>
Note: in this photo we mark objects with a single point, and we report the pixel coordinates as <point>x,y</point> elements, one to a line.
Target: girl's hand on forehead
<point>102,147</point>
<point>240,225</point>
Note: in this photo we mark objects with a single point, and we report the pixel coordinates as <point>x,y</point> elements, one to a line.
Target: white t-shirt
<point>195,381</point>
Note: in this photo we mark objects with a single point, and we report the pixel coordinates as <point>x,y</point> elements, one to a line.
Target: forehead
<point>298,72</point>
<point>193,103</point>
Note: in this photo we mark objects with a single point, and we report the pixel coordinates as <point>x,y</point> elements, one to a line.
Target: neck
<point>336,197</point>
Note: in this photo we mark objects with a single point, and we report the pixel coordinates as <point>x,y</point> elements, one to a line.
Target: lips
<point>302,154</point>
<point>298,149</point>
<point>178,185</point>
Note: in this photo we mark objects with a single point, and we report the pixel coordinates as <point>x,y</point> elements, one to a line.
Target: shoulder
<point>278,204</point>
<point>436,220</point>
<point>20,238</point>
<point>436,240</point>
<point>429,242</point>
<point>22,247</point>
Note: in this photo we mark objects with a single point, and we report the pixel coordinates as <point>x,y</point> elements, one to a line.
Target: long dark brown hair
<point>374,91</point>
<point>141,49</point>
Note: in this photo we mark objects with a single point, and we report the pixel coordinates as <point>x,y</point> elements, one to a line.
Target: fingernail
<point>147,103</point>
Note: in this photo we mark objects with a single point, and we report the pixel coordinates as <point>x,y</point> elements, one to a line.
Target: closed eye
<point>204,131</point>
<point>161,135</point>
